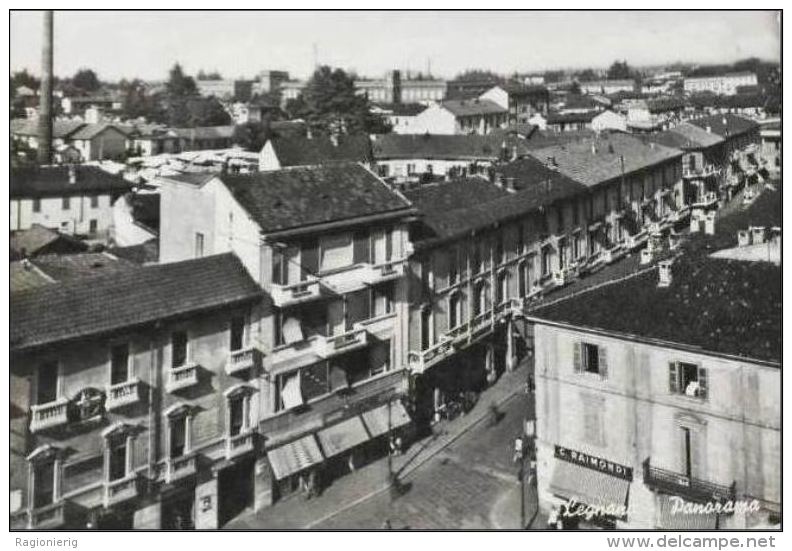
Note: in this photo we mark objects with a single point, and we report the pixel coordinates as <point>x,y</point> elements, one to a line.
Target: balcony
<point>240,361</point>
<point>240,444</point>
<point>123,394</point>
<point>424,359</point>
<point>692,489</point>
<point>458,333</point>
<point>558,279</point>
<point>340,344</point>
<point>632,242</point>
<point>123,489</point>
<point>295,293</point>
<point>48,517</point>
<point>181,467</point>
<point>52,414</point>
<point>386,271</point>
<point>706,201</point>
<point>698,173</point>
<point>182,377</point>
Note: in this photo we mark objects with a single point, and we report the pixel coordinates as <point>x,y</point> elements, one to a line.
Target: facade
<point>607,87</point>
<point>117,419</point>
<point>475,116</point>
<point>771,147</point>
<point>609,120</point>
<point>332,331</point>
<point>76,105</point>
<point>270,81</point>
<point>521,101</point>
<point>394,89</point>
<point>722,85</point>
<point>645,414</point>
<point>72,200</point>
<point>291,89</point>
<point>401,117</point>
<point>97,142</point>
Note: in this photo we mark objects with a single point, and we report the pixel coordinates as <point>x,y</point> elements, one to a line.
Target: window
<point>119,363</point>
<point>453,311</point>
<point>500,254</point>
<point>576,246</point>
<point>178,349</point>
<point>94,201</point>
<point>383,300</point>
<point>522,274</point>
<point>453,266</point>
<point>47,383</point>
<point>688,379</point>
<point>379,357</point>
<point>279,271</point>
<point>43,483</point>
<point>236,415</point>
<point>179,435</point>
<point>590,358</point>
<point>66,203</point>
<point>92,226</point>
<point>520,240</point>
<point>36,205</point>
<point>117,457</point>
<point>336,252</point>
<point>388,244</point>
<point>361,246</point>
<point>426,328</point>
<point>503,287</point>
<point>546,261</point>
<point>199,245</point>
<point>237,333</point>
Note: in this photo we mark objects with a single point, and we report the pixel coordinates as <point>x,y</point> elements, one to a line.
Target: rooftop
<point>61,129</point>
<point>444,146</point>
<point>68,267</point>
<point>102,304</point>
<point>562,118</point>
<point>204,132</point>
<point>686,136</point>
<point>31,241</point>
<point>53,181</point>
<point>472,107</point>
<point>726,125</point>
<point>303,151</point>
<point>297,197</point>
<point>600,159</point>
<point>90,131</point>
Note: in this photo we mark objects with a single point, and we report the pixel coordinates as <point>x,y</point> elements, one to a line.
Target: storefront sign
<point>594,463</point>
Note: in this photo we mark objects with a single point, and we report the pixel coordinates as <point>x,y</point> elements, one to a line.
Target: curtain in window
<point>336,252</point>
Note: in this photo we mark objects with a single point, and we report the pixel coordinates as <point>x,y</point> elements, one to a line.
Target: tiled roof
<point>402,109</point>
<point>686,136</point>
<point>548,138</point>
<point>32,240</point>
<point>68,267</point>
<point>60,129</point>
<point>24,275</point>
<point>595,160</point>
<point>726,125</point>
<point>519,89</point>
<point>285,199</point>
<point>101,304</point>
<point>302,151</point>
<point>144,253</point>
<point>53,181</point>
<point>90,131</point>
<point>560,118</point>
<point>204,132</point>
<point>472,107</point>
<point>443,197</point>
<point>731,307</point>
<point>444,146</point>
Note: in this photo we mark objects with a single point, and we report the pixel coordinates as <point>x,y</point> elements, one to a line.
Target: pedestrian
<point>518,449</point>
<point>552,519</point>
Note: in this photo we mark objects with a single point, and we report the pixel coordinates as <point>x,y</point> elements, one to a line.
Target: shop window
<point>119,363</point>
<point>43,483</point>
<point>688,379</point>
<point>590,358</point>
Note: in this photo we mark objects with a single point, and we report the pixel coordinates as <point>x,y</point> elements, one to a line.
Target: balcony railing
<point>419,361</point>
<point>123,394</point>
<point>392,269</point>
<point>182,377</point>
<point>294,293</point>
<point>481,322</point>
<point>52,414</point>
<point>49,516</point>
<point>240,444</point>
<point>692,489</point>
<point>241,360</point>
<point>707,200</point>
<point>458,332</point>
<point>180,467</point>
<point>341,344</point>
<point>120,490</point>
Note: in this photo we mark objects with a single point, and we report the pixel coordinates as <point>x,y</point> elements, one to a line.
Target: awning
<point>343,436</point>
<point>294,457</point>
<point>385,418</point>
<point>588,486</point>
<point>292,331</point>
<point>290,393</point>
<point>675,514</point>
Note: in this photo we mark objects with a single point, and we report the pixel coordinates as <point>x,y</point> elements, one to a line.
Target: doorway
<point>235,489</point>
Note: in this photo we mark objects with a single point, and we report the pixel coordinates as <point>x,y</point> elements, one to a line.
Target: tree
<point>180,85</point>
<point>478,74</point>
<point>189,112</point>
<point>330,104</point>
<point>136,102</point>
<point>575,88</point>
<point>86,80</point>
<point>620,70</point>
<point>586,75</point>
<point>253,135</point>
<point>23,78</point>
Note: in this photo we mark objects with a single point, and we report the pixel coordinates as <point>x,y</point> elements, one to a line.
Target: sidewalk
<point>372,479</point>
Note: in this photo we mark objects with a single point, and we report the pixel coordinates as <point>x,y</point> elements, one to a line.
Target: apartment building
<point>520,100</point>
<point>70,199</point>
<point>470,116</point>
<point>725,85</point>
<point>328,245</point>
<point>127,390</point>
<point>657,405</point>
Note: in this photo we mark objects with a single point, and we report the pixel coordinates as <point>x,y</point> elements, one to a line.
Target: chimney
<point>45,100</point>
<point>334,139</point>
<point>72,174</point>
<point>664,273</point>
<point>743,238</point>
<point>709,129</point>
<point>593,149</point>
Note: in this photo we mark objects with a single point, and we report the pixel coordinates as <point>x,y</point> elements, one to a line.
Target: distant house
<point>520,100</point>
<point>401,116</point>
<point>608,120</point>
<point>203,137</point>
<point>473,116</point>
<point>73,199</point>
<point>93,141</point>
<point>607,87</point>
<point>38,240</point>
<point>563,122</point>
<point>151,139</point>
<point>75,105</point>
<point>291,151</point>
<point>724,85</point>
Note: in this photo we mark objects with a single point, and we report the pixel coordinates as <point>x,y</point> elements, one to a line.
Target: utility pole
<point>45,94</point>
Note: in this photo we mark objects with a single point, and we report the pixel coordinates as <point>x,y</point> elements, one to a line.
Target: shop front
<point>590,491</point>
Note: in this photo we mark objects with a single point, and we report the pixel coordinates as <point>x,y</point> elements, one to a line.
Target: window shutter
<point>703,382</point>
<point>673,380</point>
<point>577,362</point>
<point>603,362</point>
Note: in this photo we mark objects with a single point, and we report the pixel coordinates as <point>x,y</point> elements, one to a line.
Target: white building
<point>723,85</point>
<point>474,116</point>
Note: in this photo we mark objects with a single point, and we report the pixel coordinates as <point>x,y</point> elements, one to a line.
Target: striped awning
<point>588,486</point>
<point>294,457</point>
<point>385,418</point>
<point>343,436</point>
<point>675,514</point>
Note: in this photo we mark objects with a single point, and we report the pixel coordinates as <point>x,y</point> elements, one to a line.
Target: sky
<point>145,44</point>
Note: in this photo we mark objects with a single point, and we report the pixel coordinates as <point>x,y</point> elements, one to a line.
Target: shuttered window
<point>336,252</point>
<point>688,379</point>
<point>590,358</point>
